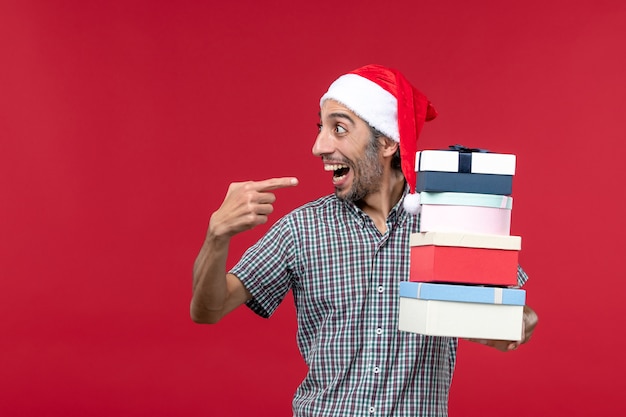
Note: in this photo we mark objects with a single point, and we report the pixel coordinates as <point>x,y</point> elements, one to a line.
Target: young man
<point>342,256</point>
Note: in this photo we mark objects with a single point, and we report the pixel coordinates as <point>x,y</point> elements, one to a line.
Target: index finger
<point>275,183</point>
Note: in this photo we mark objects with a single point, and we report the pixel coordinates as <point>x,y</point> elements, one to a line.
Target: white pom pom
<point>412,203</point>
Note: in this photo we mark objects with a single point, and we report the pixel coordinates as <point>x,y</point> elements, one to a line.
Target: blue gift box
<point>461,311</point>
<point>462,293</point>
<point>433,181</point>
<point>465,170</point>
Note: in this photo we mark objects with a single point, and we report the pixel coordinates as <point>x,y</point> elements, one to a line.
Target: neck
<point>377,205</point>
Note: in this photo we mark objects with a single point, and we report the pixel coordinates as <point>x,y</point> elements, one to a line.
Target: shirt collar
<point>397,216</point>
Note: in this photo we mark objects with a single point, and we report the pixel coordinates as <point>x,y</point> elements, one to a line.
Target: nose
<point>323,143</point>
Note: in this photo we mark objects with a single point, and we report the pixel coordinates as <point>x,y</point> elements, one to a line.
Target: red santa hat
<point>384,98</point>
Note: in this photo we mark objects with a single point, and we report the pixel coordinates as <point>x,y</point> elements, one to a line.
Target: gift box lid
<point>466,240</point>
<point>466,199</point>
<point>471,162</point>
<point>462,293</point>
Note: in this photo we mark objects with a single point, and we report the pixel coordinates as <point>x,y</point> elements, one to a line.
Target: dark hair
<point>396,162</point>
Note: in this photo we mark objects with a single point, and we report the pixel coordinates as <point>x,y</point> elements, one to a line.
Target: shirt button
<point>381,289</point>
<point>372,409</point>
<point>376,369</point>
<point>379,331</point>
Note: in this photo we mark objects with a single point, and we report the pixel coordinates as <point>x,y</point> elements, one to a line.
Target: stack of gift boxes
<point>464,261</point>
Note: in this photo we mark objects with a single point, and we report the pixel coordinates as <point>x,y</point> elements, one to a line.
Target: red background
<point>122,124</point>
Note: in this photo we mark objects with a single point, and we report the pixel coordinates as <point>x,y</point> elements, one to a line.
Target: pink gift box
<point>465,213</point>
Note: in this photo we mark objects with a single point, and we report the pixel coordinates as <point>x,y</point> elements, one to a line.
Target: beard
<point>367,173</point>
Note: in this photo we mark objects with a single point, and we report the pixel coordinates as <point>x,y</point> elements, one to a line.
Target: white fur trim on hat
<point>412,203</point>
<point>368,100</point>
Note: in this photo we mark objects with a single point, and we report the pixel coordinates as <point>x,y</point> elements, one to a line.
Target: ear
<point>389,146</point>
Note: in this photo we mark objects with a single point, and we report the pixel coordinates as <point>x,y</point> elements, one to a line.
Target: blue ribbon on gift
<point>465,156</point>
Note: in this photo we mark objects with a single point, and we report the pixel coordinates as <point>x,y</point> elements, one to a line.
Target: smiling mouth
<point>339,170</point>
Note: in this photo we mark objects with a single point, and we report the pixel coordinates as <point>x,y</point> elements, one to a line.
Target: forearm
<point>247,204</point>
<point>210,290</point>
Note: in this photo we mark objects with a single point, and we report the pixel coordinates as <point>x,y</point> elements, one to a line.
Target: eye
<point>340,129</point>
<point>319,127</point>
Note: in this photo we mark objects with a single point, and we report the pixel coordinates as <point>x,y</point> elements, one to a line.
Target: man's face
<point>345,144</point>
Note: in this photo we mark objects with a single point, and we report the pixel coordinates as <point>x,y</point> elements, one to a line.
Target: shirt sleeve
<point>522,277</point>
<point>266,269</point>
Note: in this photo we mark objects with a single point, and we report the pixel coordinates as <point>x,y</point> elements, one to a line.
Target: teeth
<point>333,167</point>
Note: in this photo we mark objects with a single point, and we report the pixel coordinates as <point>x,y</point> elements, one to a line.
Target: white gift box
<point>464,170</point>
<point>476,162</point>
<point>471,312</point>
